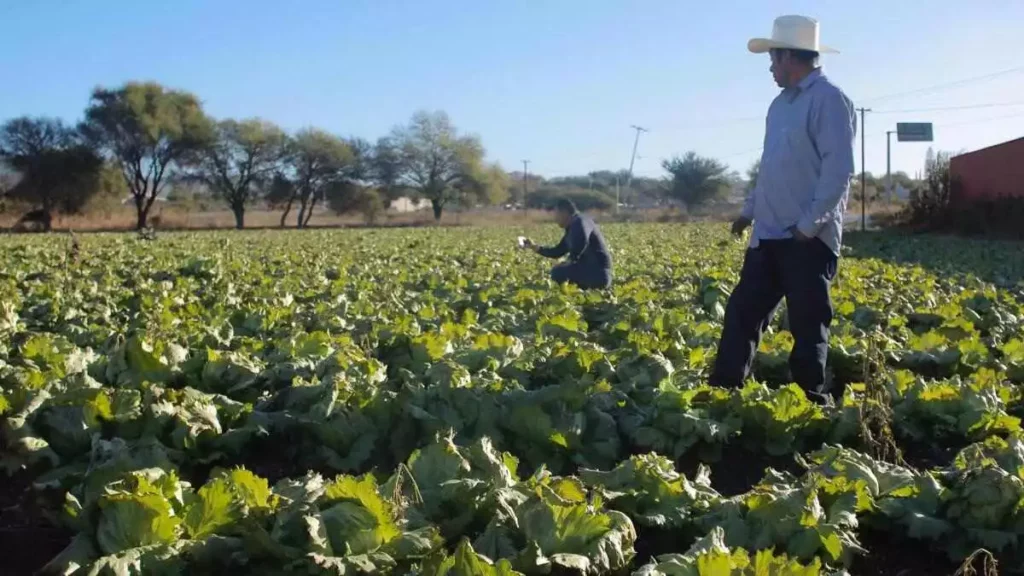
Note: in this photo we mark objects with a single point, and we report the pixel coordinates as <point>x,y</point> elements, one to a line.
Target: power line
<point>946,85</point>
<point>943,108</point>
<point>981,120</point>
<point>742,152</point>
<point>882,134</point>
<point>716,124</point>
<point>926,89</point>
<point>964,123</point>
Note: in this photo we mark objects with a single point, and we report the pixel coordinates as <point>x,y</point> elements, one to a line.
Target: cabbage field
<point>423,401</point>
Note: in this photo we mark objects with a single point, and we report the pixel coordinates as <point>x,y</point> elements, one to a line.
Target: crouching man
<point>589,264</point>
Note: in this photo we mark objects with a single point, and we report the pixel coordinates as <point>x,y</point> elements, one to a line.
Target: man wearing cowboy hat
<point>796,209</point>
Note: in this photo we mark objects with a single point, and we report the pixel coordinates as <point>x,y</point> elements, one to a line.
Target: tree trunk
<point>302,213</point>
<point>47,213</point>
<point>141,212</point>
<point>239,210</point>
<point>309,212</point>
<point>438,207</point>
<point>287,210</point>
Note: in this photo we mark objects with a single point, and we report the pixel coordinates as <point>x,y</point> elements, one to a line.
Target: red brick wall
<point>989,173</point>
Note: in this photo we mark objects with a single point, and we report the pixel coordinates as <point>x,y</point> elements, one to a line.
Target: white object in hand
<point>522,241</point>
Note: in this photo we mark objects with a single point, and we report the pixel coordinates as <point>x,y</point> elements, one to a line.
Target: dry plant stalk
<point>989,564</point>
<point>876,409</point>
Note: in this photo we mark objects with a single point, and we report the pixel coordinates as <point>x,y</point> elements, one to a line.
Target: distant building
<point>406,204</point>
<point>989,173</point>
<point>130,199</point>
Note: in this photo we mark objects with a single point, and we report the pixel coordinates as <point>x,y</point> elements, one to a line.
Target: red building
<point>989,173</point>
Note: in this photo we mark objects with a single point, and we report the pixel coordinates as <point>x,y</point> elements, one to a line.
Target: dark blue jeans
<point>802,272</point>
<point>586,277</point>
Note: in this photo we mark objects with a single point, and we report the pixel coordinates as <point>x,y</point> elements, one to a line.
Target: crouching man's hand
<point>739,225</point>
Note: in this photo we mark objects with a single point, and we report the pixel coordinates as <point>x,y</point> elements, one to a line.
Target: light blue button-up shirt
<point>806,164</point>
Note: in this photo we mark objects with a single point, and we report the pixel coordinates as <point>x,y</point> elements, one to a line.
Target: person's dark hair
<point>565,205</point>
<point>809,57</point>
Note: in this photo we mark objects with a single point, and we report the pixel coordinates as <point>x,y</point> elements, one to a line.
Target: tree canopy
<point>696,179</point>
<point>146,130</point>
<point>239,161</point>
<point>317,161</point>
<point>58,170</point>
<point>437,162</point>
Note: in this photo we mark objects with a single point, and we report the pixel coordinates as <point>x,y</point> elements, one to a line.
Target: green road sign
<point>914,132</point>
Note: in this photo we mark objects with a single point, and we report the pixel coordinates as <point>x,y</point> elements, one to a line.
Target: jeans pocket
<point>826,260</point>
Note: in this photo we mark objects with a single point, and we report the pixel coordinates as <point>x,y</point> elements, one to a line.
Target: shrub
<point>584,199</point>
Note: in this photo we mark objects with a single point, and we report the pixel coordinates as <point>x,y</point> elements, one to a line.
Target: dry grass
<point>170,217</point>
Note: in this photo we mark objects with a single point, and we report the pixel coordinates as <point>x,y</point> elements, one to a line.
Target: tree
<point>696,179</point>
<point>584,198</point>
<point>385,170</point>
<point>146,129</point>
<point>280,194</point>
<point>752,174</point>
<point>242,156</point>
<point>316,161</point>
<point>930,203</point>
<point>58,169</point>
<point>437,162</point>
<point>8,179</point>
<point>348,196</point>
<point>495,181</point>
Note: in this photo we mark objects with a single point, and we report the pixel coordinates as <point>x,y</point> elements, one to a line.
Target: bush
<point>347,197</point>
<point>937,206</point>
<point>930,203</point>
<point>999,216</point>
<point>696,180</point>
<point>584,199</point>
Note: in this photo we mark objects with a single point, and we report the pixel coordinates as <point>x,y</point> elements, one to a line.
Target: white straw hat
<point>794,33</point>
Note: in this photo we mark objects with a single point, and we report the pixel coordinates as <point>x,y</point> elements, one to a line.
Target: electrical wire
<point>946,108</point>
<point>925,90</point>
<point>946,85</point>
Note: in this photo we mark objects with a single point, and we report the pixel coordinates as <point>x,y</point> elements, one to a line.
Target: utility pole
<point>888,162</point>
<point>616,193</point>
<point>632,159</point>
<point>863,174</point>
<point>526,172</point>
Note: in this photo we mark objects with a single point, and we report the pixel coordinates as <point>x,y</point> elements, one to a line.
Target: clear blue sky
<point>555,81</point>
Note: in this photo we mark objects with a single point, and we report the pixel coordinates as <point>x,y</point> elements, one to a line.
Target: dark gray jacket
<point>583,243</point>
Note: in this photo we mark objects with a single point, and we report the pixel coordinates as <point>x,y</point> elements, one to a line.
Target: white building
<point>406,204</point>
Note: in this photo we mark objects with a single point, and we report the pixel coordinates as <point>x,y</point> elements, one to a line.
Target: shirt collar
<point>809,79</point>
<point>803,85</point>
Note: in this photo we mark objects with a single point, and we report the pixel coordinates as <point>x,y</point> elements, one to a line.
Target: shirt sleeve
<point>558,250</point>
<point>834,128</point>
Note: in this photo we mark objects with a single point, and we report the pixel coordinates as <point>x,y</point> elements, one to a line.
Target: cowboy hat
<point>793,33</point>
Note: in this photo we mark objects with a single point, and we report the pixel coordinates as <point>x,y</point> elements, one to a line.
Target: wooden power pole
<point>863,174</point>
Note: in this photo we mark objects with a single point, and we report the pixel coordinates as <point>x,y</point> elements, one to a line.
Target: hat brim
<point>762,45</point>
